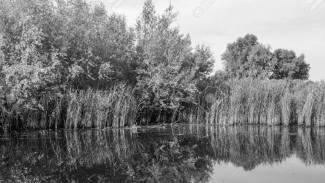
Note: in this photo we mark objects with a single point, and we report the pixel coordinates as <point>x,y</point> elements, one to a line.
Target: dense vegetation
<point>70,64</point>
<point>270,103</point>
<point>51,50</point>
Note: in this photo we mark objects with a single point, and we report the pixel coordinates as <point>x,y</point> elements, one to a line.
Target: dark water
<point>164,154</point>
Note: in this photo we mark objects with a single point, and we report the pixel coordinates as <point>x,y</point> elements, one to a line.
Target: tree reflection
<point>181,154</point>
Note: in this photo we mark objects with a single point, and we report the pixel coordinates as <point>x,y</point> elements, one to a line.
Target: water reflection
<point>180,154</point>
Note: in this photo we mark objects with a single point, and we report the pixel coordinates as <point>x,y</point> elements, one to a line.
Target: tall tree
<point>169,68</point>
<point>29,62</point>
<point>46,46</point>
<point>99,48</point>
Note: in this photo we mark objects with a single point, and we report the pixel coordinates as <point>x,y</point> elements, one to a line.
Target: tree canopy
<point>50,45</point>
<point>169,68</point>
<point>247,58</point>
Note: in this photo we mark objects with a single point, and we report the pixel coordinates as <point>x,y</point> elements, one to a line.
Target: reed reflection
<point>179,154</point>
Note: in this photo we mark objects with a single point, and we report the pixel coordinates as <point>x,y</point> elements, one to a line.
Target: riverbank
<point>237,102</point>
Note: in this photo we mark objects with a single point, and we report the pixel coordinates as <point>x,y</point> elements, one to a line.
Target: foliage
<point>54,46</point>
<point>70,64</point>
<point>247,58</point>
<point>28,64</point>
<point>67,44</point>
<point>235,57</point>
<point>169,70</point>
<point>258,62</point>
<point>285,64</point>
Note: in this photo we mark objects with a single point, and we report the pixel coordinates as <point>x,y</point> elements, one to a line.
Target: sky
<point>297,25</point>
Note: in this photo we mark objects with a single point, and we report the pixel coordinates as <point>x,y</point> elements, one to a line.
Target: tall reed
<point>281,102</point>
<point>237,102</point>
<point>98,109</point>
<point>116,107</point>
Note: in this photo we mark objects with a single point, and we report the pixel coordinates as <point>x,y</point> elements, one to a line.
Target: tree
<point>220,76</point>
<point>258,62</point>
<point>96,49</point>
<point>169,69</point>
<point>246,58</point>
<point>28,63</point>
<point>115,46</point>
<point>236,55</point>
<point>50,47</point>
<point>285,64</point>
<point>203,58</point>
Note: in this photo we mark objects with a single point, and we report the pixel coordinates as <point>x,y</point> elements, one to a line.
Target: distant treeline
<point>59,61</point>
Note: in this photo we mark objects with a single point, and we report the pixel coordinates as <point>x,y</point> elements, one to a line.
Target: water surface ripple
<point>183,153</point>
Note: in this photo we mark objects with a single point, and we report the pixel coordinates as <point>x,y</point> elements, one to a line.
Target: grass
<point>254,102</point>
<point>76,109</point>
<point>95,109</point>
<point>236,102</point>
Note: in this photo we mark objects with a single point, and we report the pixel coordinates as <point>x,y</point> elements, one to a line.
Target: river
<point>179,153</point>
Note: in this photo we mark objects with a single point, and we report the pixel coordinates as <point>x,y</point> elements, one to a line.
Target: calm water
<point>164,154</point>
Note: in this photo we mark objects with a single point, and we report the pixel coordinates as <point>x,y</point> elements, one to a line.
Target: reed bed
<point>115,107</point>
<point>96,109</point>
<point>253,102</point>
<point>237,102</point>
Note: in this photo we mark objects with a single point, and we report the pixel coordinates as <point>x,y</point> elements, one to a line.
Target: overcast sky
<point>215,23</point>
